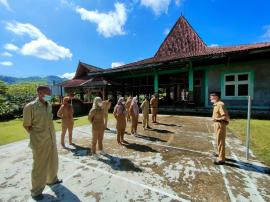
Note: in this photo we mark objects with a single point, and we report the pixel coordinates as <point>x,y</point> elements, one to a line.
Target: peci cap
<point>215,94</point>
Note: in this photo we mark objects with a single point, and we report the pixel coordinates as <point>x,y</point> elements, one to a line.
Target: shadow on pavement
<point>165,124</point>
<point>79,150</point>
<point>121,164</point>
<point>140,147</point>
<point>62,194</point>
<point>247,166</point>
<point>160,130</point>
<point>153,139</point>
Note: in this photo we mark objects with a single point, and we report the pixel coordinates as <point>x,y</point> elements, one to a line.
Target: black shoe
<point>38,197</point>
<point>216,162</point>
<point>54,183</point>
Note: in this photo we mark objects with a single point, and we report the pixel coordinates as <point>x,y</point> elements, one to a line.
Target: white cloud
<point>11,47</point>
<point>178,2</point>
<point>158,6</point>
<point>166,31</point>
<point>45,49</point>
<point>6,54</point>
<point>213,45</point>
<point>109,24</point>
<point>22,29</point>
<point>6,63</point>
<point>266,35</point>
<point>6,4</point>
<point>40,46</point>
<point>68,75</point>
<point>116,64</point>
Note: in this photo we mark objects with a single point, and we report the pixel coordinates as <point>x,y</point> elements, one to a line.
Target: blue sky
<point>49,37</point>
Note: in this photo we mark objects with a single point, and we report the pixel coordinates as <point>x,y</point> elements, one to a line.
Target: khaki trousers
<point>145,120</point>
<point>220,131</point>
<point>97,137</point>
<point>106,120</point>
<point>45,167</point>
<point>134,123</point>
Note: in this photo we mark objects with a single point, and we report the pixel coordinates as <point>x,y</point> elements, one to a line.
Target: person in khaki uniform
<point>120,113</point>
<point>66,114</point>
<point>38,122</point>
<point>106,106</point>
<point>145,111</point>
<point>134,113</point>
<point>221,120</point>
<point>127,105</point>
<point>96,118</point>
<point>154,108</point>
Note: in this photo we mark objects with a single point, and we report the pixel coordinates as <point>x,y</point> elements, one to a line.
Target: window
<point>237,84</point>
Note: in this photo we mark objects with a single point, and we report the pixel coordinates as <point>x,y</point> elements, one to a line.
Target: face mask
<point>136,101</point>
<point>47,98</point>
<point>123,103</point>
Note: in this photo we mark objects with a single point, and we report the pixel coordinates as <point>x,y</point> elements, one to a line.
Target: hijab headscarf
<point>97,103</point>
<point>120,107</point>
<point>135,106</point>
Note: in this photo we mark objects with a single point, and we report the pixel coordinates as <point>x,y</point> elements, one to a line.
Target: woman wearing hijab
<point>134,113</point>
<point>96,118</point>
<point>119,113</point>
<point>66,114</point>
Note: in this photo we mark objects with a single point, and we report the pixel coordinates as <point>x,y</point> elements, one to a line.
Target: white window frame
<point>236,83</point>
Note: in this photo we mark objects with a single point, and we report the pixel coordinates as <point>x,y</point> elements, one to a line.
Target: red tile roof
<point>72,83</point>
<point>181,40</point>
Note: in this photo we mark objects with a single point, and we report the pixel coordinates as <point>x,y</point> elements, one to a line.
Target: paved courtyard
<point>170,162</point>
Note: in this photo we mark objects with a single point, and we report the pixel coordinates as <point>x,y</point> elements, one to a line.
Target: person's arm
<point>60,112</point>
<point>223,115</point>
<point>115,112</point>
<point>142,105</point>
<point>27,118</point>
<point>91,115</point>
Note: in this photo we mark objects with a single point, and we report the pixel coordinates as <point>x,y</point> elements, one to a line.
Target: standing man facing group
<point>38,122</point>
<point>220,118</point>
<point>106,106</point>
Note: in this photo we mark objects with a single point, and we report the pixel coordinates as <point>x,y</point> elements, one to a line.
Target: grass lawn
<point>12,131</point>
<point>260,136</point>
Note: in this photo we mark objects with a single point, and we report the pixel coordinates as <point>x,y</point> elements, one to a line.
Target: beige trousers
<point>220,131</point>
<point>45,167</point>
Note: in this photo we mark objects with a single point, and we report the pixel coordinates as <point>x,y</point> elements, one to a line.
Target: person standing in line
<point>134,113</point>
<point>38,122</point>
<point>145,111</point>
<point>106,106</point>
<point>127,105</point>
<point>66,114</point>
<point>220,118</point>
<point>96,118</point>
<point>154,108</point>
<point>120,113</point>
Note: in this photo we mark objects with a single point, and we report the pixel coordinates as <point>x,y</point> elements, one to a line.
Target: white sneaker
<point>102,152</point>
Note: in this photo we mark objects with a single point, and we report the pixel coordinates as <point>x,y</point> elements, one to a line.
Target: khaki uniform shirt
<point>145,107</point>
<point>96,117</point>
<point>154,103</point>
<point>220,113</point>
<point>106,106</point>
<point>40,118</point>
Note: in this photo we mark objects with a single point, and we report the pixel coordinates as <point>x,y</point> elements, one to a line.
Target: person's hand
<point>28,129</point>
